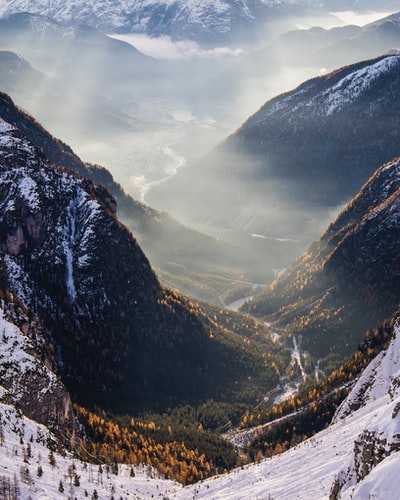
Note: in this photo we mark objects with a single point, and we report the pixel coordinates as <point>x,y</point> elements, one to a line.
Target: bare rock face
<point>15,241</point>
<point>26,372</point>
<point>25,231</point>
<point>369,451</point>
<point>377,394</point>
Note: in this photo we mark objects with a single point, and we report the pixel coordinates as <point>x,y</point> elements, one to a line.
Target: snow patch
<point>5,127</point>
<point>27,188</point>
<point>349,88</point>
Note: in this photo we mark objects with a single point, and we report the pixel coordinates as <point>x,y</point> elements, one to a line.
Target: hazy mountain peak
<point>204,21</point>
<point>326,95</point>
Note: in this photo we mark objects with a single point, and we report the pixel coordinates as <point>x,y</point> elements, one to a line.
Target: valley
<point>153,121</point>
<point>199,287</point>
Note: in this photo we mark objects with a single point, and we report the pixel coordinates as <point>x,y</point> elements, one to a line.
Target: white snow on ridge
<point>19,281</point>
<point>353,85</point>
<point>144,15</point>
<point>310,100</point>
<point>8,140</point>
<point>380,483</point>
<point>19,364</point>
<point>14,347</point>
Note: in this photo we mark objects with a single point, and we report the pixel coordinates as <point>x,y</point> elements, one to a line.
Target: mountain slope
<point>167,243</point>
<point>27,371</point>
<point>33,464</point>
<point>112,327</point>
<point>371,41</point>
<point>347,281</point>
<point>356,456</point>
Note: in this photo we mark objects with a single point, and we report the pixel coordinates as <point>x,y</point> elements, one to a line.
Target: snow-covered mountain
<point>112,327</point>
<point>53,228</point>
<point>210,22</point>
<point>205,21</point>
<point>356,457</point>
<point>37,422</point>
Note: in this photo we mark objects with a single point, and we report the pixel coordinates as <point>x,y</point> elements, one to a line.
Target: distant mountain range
<point>207,22</point>
<point>45,43</point>
<point>211,23</point>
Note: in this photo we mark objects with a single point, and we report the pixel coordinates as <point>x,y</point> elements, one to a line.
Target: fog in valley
<point>149,109</point>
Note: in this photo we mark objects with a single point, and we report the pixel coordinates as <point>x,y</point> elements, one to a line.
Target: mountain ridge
<point>206,22</point>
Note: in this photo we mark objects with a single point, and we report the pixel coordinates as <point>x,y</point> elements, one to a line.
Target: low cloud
<point>165,48</point>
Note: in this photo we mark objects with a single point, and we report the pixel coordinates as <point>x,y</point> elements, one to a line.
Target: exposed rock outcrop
<point>379,388</point>
<point>26,372</point>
